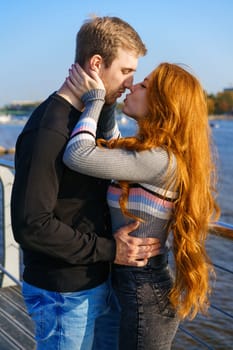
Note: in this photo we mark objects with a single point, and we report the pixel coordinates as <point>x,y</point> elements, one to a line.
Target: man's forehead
<point>127,59</point>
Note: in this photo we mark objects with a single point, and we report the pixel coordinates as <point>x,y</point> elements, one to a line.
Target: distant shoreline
<point>220,117</point>
<point>20,113</point>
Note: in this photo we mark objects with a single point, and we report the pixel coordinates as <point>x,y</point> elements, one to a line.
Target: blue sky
<point>37,40</point>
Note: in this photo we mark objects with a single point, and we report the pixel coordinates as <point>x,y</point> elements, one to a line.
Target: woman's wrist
<point>93,95</point>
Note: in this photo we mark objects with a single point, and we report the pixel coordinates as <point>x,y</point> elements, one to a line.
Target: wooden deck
<point>16,328</point>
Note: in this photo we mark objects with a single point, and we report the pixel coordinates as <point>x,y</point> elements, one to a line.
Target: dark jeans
<point>148,322</point>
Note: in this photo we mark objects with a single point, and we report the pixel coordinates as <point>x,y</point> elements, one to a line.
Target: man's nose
<point>128,83</point>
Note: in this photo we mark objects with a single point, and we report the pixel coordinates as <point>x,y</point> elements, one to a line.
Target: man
<point>60,217</point>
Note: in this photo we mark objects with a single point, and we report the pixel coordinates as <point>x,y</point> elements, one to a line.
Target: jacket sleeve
<point>107,127</point>
<point>38,175</point>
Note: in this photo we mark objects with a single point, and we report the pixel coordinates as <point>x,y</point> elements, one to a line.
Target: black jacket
<point>59,217</point>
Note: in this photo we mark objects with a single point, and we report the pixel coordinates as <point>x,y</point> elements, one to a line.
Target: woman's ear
<point>95,63</point>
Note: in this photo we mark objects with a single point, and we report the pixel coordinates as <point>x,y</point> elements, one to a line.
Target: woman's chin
<point>126,111</point>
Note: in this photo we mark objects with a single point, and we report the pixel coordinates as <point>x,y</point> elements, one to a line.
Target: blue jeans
<point>148,321</point>
<point>85,320</point>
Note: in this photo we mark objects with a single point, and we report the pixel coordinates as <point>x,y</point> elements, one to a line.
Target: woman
<point>165,178</point>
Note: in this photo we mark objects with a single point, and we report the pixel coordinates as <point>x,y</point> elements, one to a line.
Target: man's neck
<point>65,92</point>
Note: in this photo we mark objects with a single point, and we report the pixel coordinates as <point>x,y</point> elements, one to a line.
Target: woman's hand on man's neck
<point>67,94</point>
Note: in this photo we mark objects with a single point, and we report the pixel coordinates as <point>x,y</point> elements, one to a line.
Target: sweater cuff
<point>92,95</point>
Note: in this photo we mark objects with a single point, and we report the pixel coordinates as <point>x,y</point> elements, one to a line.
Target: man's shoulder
<point>55,114</point>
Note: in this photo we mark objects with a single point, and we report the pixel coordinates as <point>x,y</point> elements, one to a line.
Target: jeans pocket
<point>32,298</point>
<point>41,306</point>
<point>161,292</point>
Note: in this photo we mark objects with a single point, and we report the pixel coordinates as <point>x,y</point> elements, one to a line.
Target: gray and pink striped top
<point>145,170</point>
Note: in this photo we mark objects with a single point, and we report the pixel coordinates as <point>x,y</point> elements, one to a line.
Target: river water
<point>215,331</point>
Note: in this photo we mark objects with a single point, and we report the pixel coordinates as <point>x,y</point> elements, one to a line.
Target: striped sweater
<point>145,170</point>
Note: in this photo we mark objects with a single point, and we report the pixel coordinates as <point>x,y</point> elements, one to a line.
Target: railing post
<point>10,249</point>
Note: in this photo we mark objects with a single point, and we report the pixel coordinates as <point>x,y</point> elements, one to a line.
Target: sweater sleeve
<point>104,116</point>
<point>83,155</point>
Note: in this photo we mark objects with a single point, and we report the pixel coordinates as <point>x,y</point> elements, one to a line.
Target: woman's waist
<point>158,262</point>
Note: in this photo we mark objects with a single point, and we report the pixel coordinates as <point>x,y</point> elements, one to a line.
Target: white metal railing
<point>10,264</point>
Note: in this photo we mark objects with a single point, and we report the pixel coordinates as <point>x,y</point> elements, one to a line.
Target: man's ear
<point>95,63</point>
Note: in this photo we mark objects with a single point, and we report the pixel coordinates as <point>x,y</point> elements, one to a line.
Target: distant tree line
<point>20,108</point>
<point>221,103</point>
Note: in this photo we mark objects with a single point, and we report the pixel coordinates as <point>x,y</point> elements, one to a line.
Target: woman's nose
<point>133,88</point>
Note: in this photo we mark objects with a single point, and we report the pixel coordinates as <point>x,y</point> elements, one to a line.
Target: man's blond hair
<point>104,36</point>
